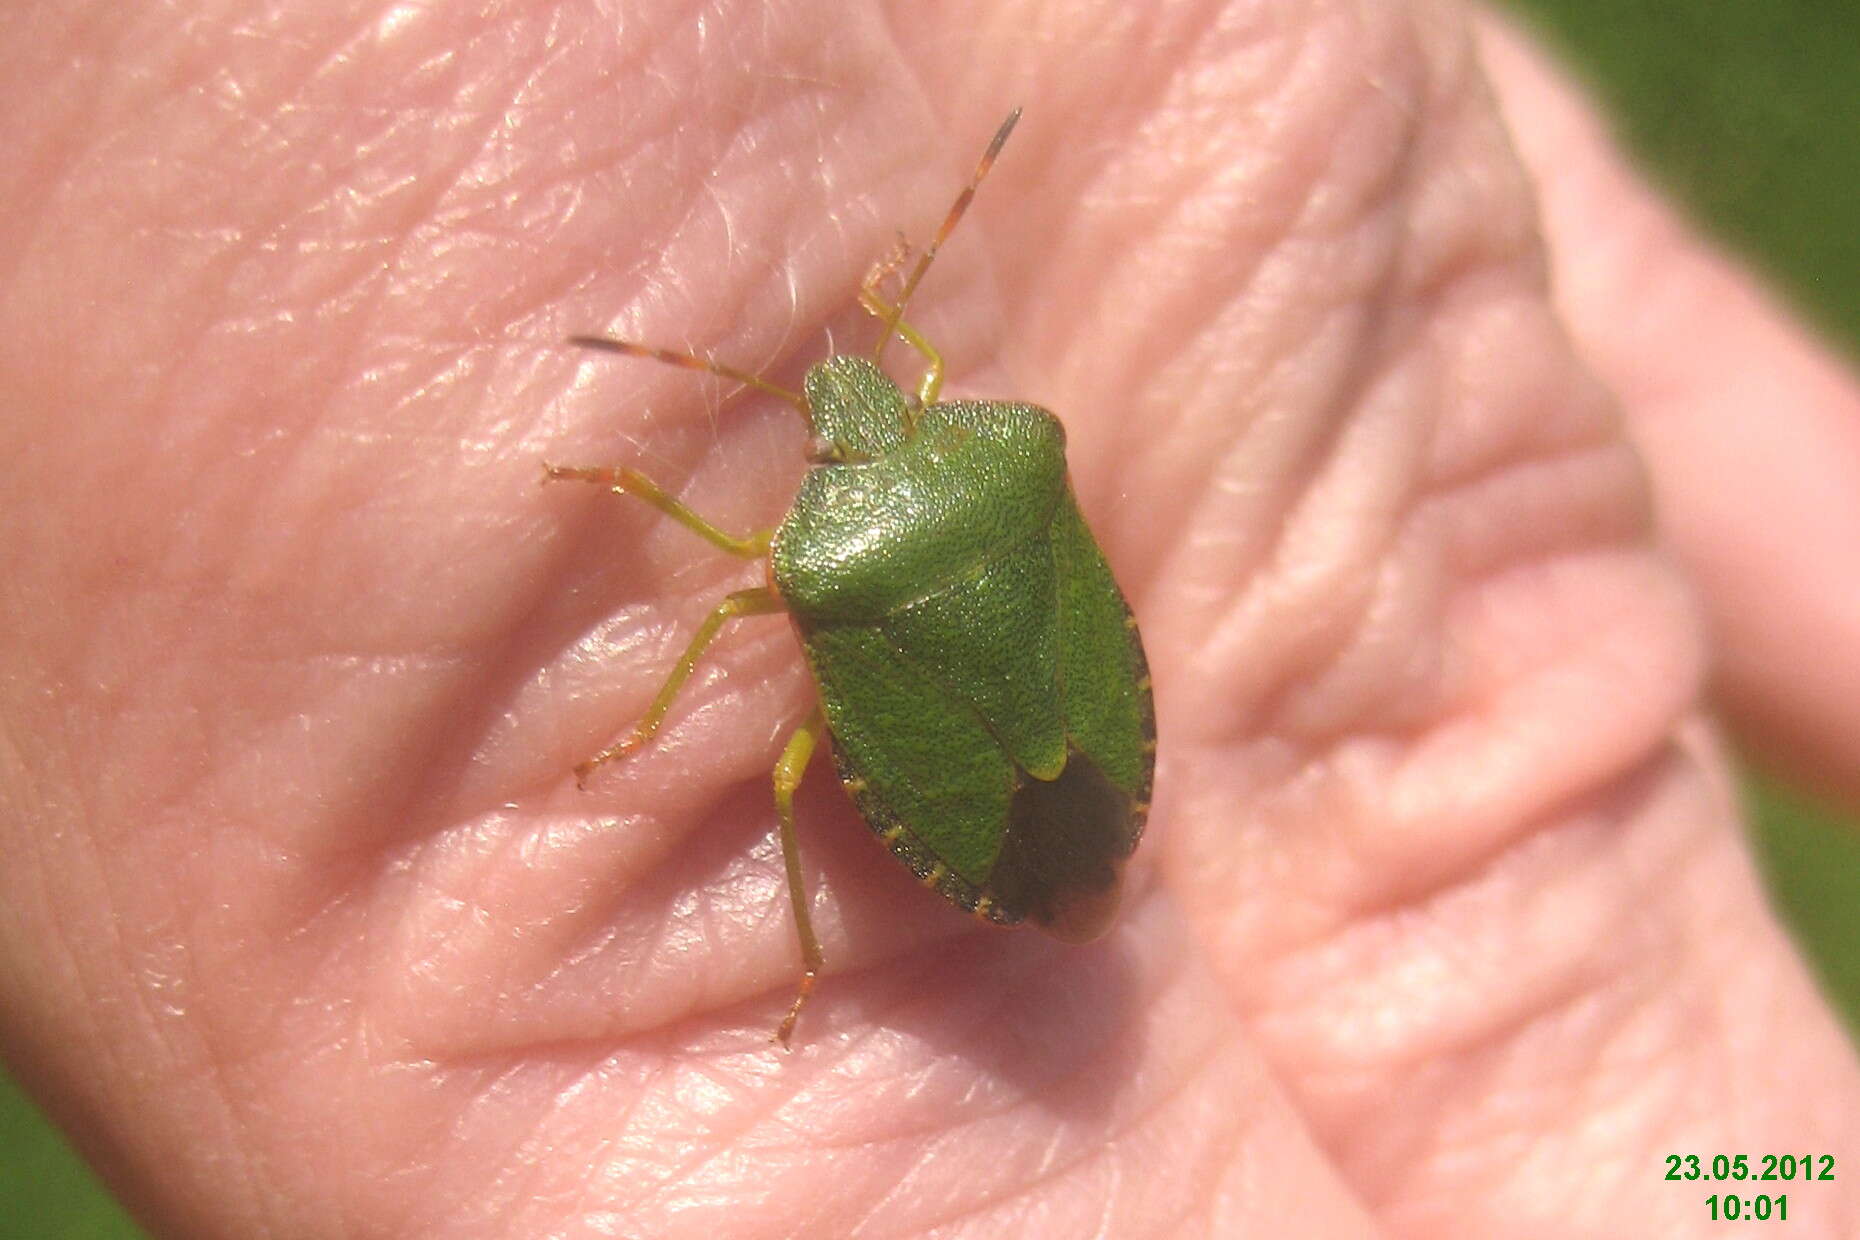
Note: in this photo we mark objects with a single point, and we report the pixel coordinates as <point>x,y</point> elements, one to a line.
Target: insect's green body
<point>979,671</point>
<point>980,675</point>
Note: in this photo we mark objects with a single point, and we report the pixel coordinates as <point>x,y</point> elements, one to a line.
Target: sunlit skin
<point>1443,923</point>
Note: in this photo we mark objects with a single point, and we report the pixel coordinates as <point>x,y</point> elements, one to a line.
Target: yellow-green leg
<point>792,765</point>
<point>756,602</point>
<point>632,482</point>
<point>932,382</point>
<point>789,768</point>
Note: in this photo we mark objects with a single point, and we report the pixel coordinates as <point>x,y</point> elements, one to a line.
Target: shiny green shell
<point>980,672</point>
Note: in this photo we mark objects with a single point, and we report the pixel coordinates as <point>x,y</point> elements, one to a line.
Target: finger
<point>1750,426</point>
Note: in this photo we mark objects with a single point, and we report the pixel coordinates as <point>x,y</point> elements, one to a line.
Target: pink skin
<point>1444,926</point>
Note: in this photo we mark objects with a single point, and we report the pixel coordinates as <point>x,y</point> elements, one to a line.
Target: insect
<point>981,680</point>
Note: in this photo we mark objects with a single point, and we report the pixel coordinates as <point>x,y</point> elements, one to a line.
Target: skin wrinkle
<point>928,1158</point>
<point>516,1171</point>
<point>1342,642</point>
<point>985,1111</point>
<point>1401,697</point>
<point>1115,186</point>
<point>29,179</point>
<point>1275,592</point>
<point>1051,1169</point>
<point>1593,990</point>
<point>579,954</point>
<point>1389,922</point>
<point>1621,512</point>
<point>1347,391</point>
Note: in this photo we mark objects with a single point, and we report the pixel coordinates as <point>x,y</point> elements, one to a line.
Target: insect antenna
<point>942,234</point>
<point>691,361</point>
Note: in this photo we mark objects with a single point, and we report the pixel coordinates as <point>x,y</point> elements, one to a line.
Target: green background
<point>1747,112</point>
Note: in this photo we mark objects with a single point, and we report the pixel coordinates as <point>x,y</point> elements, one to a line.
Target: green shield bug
<point>980,677</point>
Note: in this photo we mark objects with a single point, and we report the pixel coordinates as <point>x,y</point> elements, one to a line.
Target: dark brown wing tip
<point>1082,914</point>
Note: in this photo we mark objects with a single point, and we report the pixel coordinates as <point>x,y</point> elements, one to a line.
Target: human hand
<point>1443,924</point>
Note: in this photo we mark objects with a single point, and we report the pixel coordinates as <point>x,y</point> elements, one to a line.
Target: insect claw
<point>887,265</point>
<point>612,754</point>
<point>785,1031</point>
<point>613,479</point>
<point>583,770</point>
